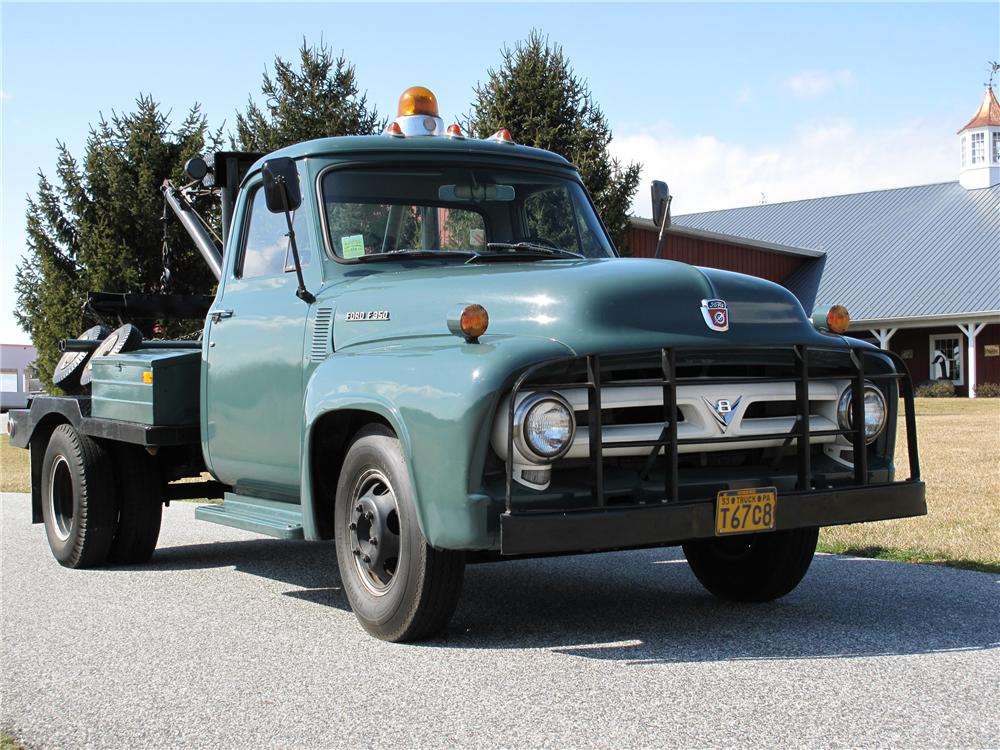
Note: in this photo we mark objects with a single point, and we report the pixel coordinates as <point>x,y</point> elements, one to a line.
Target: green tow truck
<point>425,347</point>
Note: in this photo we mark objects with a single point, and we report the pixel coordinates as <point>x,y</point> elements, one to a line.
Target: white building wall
<point>14,358</point>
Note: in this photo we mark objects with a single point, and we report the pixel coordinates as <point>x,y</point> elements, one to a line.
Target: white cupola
<point>979,142</point>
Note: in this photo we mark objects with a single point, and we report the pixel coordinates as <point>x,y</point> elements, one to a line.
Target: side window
<point>266,250</point>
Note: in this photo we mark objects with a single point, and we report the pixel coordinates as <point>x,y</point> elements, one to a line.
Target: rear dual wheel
<point>99,505</point>
<point>754,567</point>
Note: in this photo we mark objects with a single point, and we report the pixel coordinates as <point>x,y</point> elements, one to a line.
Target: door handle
<point>217,315</point>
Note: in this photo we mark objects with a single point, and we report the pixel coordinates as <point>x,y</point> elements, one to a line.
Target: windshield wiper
<point>411,253</point>
<point>532,247</point>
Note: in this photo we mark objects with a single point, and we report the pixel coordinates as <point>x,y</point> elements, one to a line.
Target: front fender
<point>439,395</point>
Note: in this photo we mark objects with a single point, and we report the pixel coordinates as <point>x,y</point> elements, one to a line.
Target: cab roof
<point>386,144</point>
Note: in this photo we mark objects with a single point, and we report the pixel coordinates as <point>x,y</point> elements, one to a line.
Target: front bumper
<point>664,524</point>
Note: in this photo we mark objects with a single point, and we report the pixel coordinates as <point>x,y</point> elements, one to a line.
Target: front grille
<point>647,416</point>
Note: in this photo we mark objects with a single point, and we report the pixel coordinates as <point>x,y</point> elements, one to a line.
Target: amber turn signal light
<point>417,100</point>
<point>837,319</point>
<point>469,321</point>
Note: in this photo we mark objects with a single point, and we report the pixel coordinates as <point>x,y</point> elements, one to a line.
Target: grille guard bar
<point>668,440</point>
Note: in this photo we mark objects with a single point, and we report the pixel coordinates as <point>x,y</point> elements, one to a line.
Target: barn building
<point>917,267</point>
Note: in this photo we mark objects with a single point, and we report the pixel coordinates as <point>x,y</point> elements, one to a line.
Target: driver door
<point>254,373</point>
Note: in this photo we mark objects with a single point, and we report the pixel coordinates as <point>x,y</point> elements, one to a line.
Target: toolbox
<point>149,386</point>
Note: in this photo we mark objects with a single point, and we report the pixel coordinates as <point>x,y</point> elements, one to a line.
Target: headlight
<point>875,411</point>
<point>545,424</point>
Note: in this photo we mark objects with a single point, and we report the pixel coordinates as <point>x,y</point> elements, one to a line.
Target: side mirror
<point>281,185</point>
<point>660,194</point>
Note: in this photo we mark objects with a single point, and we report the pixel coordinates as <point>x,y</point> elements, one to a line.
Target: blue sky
<point>731,104</point>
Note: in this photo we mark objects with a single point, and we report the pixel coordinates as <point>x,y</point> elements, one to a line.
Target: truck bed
<point>76,410</point>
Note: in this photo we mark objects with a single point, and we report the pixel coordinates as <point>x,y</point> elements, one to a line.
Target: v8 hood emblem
<point>723,410</point>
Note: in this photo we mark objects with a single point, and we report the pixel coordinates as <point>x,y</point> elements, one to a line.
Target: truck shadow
<point>311,568</point>
<point>645,607</point>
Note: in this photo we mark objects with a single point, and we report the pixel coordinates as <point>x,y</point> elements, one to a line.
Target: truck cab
<point>425,348</point>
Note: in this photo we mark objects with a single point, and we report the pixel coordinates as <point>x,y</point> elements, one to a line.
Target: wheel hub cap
<point>374,532</point>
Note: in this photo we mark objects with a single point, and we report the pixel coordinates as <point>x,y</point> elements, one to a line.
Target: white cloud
<point>5,95</point>
<point>810,84</point>
<point>707,173</point>
<point>744,96</point>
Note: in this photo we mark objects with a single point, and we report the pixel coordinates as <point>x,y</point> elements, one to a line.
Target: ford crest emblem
<point>716,314</point>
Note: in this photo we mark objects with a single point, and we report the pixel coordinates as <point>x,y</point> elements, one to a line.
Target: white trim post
<point>884,335</point>
<point>971,330</point>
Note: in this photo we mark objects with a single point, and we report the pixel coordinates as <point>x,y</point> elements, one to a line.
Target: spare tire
<point>70,365</point>
<point>123,339</point>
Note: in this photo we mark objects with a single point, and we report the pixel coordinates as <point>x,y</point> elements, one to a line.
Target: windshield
<point>381,211</point>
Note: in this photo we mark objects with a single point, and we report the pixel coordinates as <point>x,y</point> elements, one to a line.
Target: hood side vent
<point>321,339</point>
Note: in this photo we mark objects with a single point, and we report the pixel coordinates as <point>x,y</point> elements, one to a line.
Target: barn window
<point>963,150</point>
<point>947,360</point>
<point>996,147</point>
<point>978,148</point>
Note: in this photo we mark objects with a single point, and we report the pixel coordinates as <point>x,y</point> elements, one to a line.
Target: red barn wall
<point>729,257</point>
<point>918,341</point>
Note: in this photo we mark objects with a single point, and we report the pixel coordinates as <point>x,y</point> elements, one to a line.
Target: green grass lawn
<point>959,441</point>
<point>15,472</point>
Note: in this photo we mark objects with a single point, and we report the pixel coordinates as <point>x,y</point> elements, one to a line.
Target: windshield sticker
<point>353,245</point>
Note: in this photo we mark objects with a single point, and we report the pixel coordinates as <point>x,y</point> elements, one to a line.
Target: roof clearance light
<point>417,100</point>
<point>837,319</point>
<point>455,131</point>
<point>502,136</point>
<point>393,129</point>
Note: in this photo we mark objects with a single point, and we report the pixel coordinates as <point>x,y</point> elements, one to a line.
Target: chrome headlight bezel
<point>845,412</point>
<point>522,414</point>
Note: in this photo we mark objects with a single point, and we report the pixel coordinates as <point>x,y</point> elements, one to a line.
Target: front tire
<point>78,498</point>
<point>400,588</point>
<point>754,567</point>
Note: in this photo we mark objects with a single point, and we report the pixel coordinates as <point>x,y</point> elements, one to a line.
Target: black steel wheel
<point>78,498</point>
<point>400,588</point>
<point>753,567</point>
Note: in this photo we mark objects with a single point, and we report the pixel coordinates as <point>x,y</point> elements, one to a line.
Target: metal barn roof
<point>929,250</point>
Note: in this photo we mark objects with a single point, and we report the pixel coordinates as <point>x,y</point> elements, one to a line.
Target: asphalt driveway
<point>227,639</point>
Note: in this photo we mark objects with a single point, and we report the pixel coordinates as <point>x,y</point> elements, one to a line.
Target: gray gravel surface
<point>227,639</point>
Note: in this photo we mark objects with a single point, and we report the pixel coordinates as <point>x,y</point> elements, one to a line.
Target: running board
<point>270,517</point>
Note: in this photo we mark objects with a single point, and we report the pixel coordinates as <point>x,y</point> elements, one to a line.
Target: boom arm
<point>194,226</point>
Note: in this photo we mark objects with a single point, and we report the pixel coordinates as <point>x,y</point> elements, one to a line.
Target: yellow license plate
<point>745,511</point>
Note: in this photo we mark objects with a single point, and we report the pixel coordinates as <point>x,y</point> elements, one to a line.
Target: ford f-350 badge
<point>716,314</point>
<point>363,315</point>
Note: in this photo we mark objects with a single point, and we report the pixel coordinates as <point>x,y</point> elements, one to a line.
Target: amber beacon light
<point>417,100</point>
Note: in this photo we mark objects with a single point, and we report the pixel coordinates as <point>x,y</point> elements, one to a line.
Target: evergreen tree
<point>318,100</point>
<point>98,227</point>
<point>536,95</point>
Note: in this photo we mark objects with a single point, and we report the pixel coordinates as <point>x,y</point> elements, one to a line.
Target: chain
<point>167,254</point>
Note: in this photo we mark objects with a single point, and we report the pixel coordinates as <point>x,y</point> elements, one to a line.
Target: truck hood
<point>588,305</point>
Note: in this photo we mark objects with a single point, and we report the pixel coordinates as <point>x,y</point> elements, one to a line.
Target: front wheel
<point>755,567</point>
<point>400,588</point>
